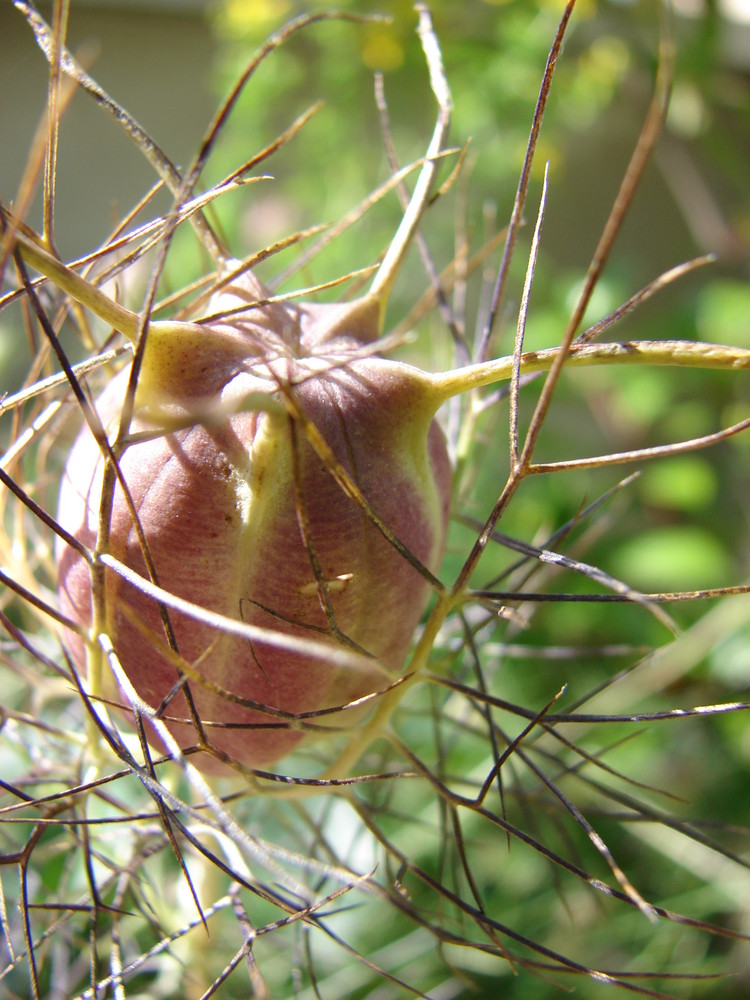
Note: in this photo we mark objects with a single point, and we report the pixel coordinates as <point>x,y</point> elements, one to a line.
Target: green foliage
<point>667,795</point>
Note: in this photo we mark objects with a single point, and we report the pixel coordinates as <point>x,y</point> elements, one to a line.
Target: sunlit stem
<point>675,353</point>
<point>515,383</point>
<point>125,321</point>
<point>94,683</point>
<point>394,258</point>
<point>443,386</point>
<point>61,10</point>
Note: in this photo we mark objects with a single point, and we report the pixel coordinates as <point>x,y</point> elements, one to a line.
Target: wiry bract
<point>250,527</point>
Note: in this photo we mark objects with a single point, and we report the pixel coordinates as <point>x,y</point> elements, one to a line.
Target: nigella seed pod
<point>258,542</point>
<point>244,516</point>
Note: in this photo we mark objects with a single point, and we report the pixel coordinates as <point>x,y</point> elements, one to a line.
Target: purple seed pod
<point>244,517</point>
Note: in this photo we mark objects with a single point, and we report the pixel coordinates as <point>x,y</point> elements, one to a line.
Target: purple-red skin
<point>227,499</point>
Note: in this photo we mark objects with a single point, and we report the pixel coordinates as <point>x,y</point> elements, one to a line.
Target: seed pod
<point>242,516</point>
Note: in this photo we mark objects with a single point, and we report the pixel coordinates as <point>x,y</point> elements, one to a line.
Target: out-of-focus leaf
<point>686,483</point>
<point>674,557</point>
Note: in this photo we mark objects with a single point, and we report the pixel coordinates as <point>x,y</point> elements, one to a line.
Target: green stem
<point>680,353</point>
<point>87,294</point>
<point>79,288</point>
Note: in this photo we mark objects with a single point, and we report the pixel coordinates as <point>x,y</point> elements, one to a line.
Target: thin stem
<point>671,353</point>
<point>645,144</point>
<point>515,382</point>
<point>60,27</point>
<point>69,281</point>
<point>523,182</point>
<point>641,454</point>
<point>49,43</point>
<point>394,258</point>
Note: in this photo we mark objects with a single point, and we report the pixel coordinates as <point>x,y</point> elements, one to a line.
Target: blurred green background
<point>169,63</point>
<point>684,523</point>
